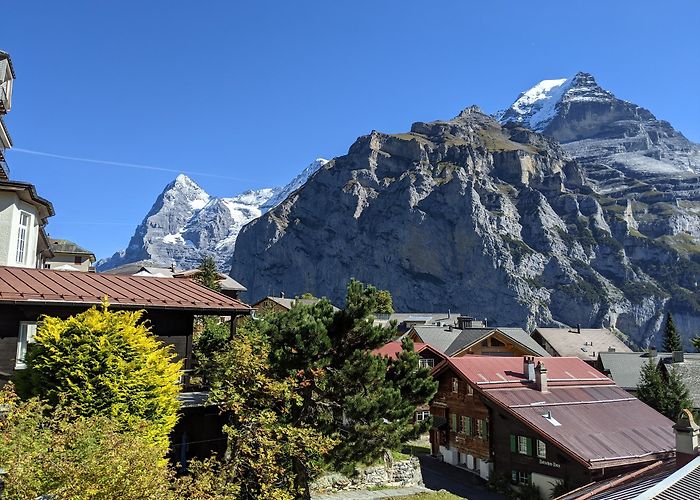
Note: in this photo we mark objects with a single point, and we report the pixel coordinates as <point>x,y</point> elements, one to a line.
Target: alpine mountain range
<point>571,206</point>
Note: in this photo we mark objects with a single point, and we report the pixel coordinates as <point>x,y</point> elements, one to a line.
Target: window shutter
<point>513,474</point>
<point>513,445</point>
<point>529,446</point>
<point>454,422</point>
<point>469,430</point>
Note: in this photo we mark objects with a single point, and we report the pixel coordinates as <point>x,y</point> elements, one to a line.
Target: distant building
<point>228,285</point>
<point>687,366</point>
<point>584,343</point>
<point>494,341</point>
<point>69,256</point>
<point>542,421</point>
<point>282,304</point>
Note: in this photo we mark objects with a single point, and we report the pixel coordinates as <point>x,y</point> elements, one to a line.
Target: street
<point>441,476</point>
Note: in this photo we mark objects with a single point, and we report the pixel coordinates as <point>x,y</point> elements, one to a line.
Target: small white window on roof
<point>549,418</point>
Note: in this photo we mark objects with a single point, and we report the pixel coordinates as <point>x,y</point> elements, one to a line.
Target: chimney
<point>578,328</point>
<point>529,368</point>
<point>486,322</point>
<point>541,377</point>
<point>449,314</point>
<point>678,356</point>
<point>653,352</point>
<point>687,438</point>
<point>611,349</point>
<point>172,267</point>
<point>281,295</point>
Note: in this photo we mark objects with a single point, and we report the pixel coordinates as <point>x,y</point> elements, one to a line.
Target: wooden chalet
<point>542,421</point>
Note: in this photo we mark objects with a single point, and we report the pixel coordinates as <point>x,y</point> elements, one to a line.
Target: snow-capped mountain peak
<point>185,222</point>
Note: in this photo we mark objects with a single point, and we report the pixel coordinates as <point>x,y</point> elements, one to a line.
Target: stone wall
<point>391,475</point>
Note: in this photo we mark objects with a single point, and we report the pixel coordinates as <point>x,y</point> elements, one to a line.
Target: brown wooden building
<point>542,421</point>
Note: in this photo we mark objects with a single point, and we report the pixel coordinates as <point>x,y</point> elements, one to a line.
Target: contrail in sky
<point>122,164</point>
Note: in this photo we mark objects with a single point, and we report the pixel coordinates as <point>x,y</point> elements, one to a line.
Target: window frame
<point>426,363</point>
<point>25,336</point>
<point>541,449</point>
<point>455,385</point>
<point>522,445</point>
<point>23,237</point>
<point>422,415</point>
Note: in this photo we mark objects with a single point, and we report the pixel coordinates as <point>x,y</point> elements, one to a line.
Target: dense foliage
<point>103,362</point>
<point>211,337</point>
<point>667,395</point>
<point>208,274</point>
<point>341,388</point>
<point>672,340</point>
<point>263,446</point>
<point>60,453</point>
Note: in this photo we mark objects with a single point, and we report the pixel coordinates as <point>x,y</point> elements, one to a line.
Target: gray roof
<point>689,371</point>
<point>289,303</point>
<point>624,367</point>
<point>226,282</point>
<point>451,341</point>
<point>66,246</point>
<point>585,343</point>
<point>684,484</point>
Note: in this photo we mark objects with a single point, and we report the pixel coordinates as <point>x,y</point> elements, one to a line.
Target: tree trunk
<point>301,480</point>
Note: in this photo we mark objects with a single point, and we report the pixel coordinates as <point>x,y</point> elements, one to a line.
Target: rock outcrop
<point>468,215</point>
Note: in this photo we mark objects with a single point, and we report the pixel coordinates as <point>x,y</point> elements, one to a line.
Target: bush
<point>104,363</point>
<point>66,455</point>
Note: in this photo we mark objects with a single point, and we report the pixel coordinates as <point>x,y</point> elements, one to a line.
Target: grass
<point>438,495</point>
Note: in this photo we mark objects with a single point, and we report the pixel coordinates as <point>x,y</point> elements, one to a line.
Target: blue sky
<point>250,93</point>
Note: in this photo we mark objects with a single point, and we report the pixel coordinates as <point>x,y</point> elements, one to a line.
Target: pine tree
<point>650,389</point>
<point>672,340</point>
<point>696,343</point>
<point>342,389</point>
<point>208,275</point>
<point>677,396</point>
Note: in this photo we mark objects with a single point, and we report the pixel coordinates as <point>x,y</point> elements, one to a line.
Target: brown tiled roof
<point>67,288</point>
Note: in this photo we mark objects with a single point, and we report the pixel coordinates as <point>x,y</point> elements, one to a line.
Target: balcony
<point>5,139</point>
<point>5,100</point>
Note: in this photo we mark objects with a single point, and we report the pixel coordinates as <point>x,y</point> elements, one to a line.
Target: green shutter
<point>470,430</point>
<point>454,422</point>
<point>513,444</point>
<point>529,446</point>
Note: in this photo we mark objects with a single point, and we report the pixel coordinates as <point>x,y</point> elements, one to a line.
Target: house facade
<point>542,421</point>
<point>171,306</point>
<point>69,256</point>
<point>7,76</point>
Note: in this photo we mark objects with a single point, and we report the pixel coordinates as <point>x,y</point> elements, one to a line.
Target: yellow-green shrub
<point>103,362</point>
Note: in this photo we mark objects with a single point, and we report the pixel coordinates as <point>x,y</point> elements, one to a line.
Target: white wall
<point>68,260</point>
<point>10,208</point>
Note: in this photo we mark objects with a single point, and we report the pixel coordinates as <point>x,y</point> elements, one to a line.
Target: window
<point>455,385</point>
<point>422,415</point>
<point>22,236</point>
<point>470,391</point>
<point>481,429</point>
<point>518,477</point>
<point>521,444</point>
<point>26,336</point>
<point>496,343</point>
<point>541,449</point>
<point>78,260</point>
<point>426,362</point>
<point>467,425</point>
<point>453,422</point>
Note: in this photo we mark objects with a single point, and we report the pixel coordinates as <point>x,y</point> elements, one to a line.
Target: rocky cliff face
<point>185,223</point>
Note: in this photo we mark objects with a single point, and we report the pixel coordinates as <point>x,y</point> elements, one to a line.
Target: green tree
<point>650,389</point>
<point>696,343</point>
<point>212,337</point>
<point>208,275</point>
<point>262,447</point>
<point>55,452</point>
<point>103,362</point>
<point>672,340</point>
<point>385,304</point>
<point>342,390</point>
<point>676,395</point>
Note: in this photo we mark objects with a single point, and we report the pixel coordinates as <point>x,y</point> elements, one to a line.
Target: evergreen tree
<point>677,396</point>
<point>385,304</point>
<point>342,389</point>
<point>208,275</point>
<point>696,343</point>
<point>672,340</point>
<point>650,389</point>
<point>103,362</point>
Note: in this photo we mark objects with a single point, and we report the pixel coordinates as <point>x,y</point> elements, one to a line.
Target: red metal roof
<point>393,348</point>
<point>584,412</point>
<point>497,371</point>
<point>69,287</point>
